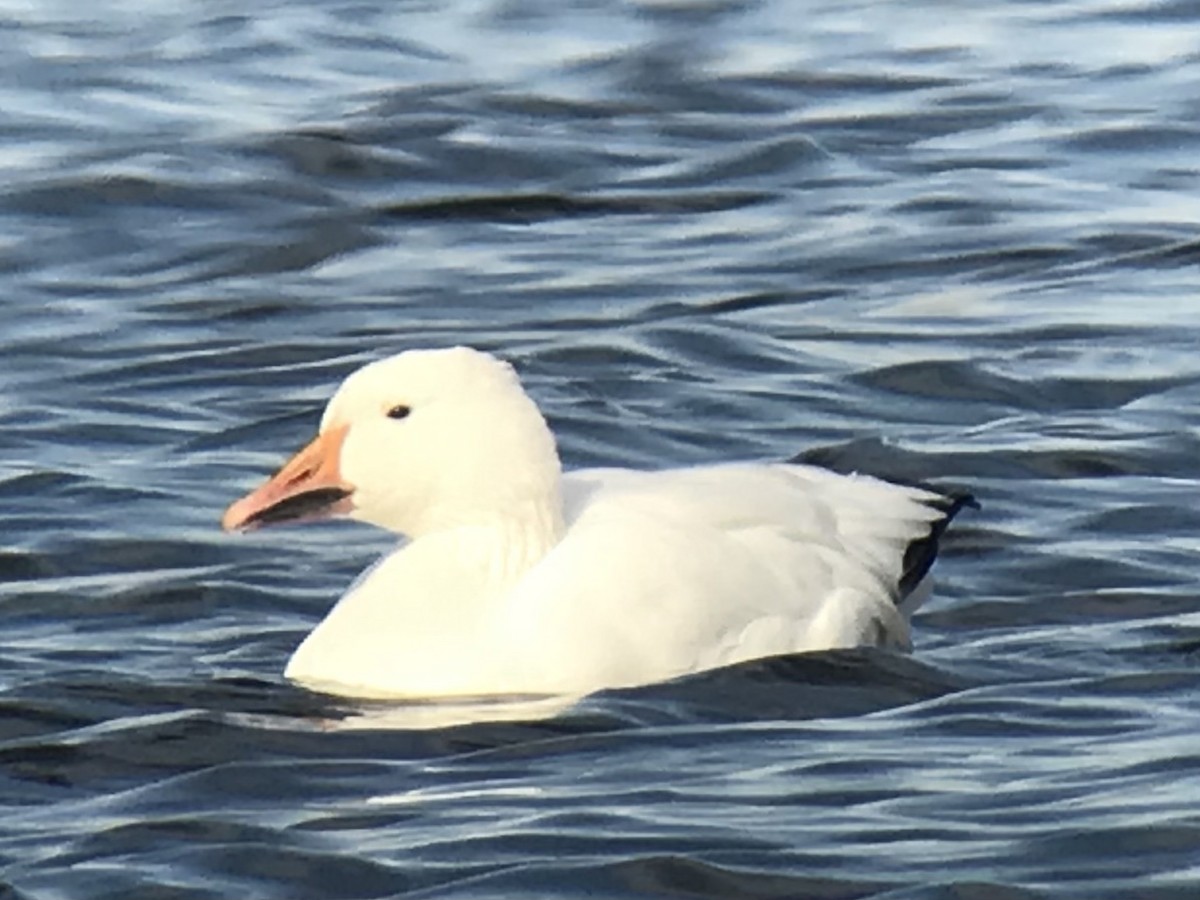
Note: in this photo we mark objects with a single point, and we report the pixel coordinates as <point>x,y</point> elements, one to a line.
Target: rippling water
<point>949,241</point>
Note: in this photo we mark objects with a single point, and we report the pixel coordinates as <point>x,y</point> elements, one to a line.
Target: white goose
<point>518,579</point>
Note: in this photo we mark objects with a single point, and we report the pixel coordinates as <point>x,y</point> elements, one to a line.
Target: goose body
<point>518,579</point>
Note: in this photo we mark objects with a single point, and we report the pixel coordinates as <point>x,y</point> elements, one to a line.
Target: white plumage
<point>518,579</point>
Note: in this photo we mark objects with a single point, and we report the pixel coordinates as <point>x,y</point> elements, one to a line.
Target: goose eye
<point>399,412</point>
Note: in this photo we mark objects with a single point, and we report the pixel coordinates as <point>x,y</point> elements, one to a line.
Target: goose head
<point>424,440</point>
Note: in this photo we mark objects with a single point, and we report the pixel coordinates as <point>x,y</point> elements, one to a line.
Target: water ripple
<point>951,246</point>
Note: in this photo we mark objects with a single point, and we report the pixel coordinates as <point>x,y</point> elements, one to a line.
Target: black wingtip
<point>919,556</point>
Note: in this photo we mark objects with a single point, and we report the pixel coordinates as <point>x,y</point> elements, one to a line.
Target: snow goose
<point>518,579</point>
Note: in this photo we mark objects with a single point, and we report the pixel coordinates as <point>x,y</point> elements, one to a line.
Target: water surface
<point>949,242</point>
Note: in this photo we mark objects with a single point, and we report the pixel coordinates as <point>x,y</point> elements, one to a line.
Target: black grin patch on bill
<point>299,506</point>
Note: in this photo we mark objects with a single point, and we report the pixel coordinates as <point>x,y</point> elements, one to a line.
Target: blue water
<point>951,241</point>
